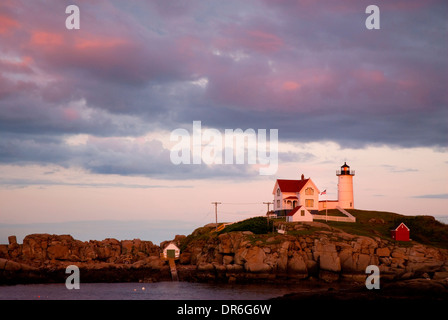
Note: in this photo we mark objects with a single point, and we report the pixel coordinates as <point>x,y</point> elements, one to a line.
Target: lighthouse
<point>345,187</point>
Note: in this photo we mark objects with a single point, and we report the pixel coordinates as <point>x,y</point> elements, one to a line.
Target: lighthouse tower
<point>345,187</point>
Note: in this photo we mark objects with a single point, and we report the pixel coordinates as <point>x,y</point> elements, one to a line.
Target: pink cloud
<point>46,38</point>
<point>291,85</point>
<point>7,24</point>
<point>370,76</point>
<point>262,41</point>
<point>233,37</point>
<point>70,114</point>
<point>97,43</point>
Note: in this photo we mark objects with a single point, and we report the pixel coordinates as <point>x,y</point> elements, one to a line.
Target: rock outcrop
<point>328,254</point>
<point>44,257</point>
<point>42,248</point>
<point>309,250</point>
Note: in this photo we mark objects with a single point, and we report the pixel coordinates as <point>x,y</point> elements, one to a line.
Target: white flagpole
<point>326,206</point>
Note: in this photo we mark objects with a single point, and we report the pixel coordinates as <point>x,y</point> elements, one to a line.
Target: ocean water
<point>150,291</point>
<point>443,219</point>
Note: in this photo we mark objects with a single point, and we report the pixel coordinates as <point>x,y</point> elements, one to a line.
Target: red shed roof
<point>293,211</point>
<point>396,229</point>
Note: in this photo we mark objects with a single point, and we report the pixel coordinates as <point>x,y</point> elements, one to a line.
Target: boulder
<point>9,265</point>
<point>12,240</point>
<point>330,262</point>
<point>282,259</point>
<point>234,268</point>
<point>347,262</point>
<point>225,243</point>
<point>399,253</point>
<point>254,258</point>
<point>227,259</point>
<point>429,265</point>
<point>296,264</point>
<point>206,267</point>
<point>152,262</point>
<point>383,252</point>
<point>362,261</point>
<point>185,258</point>
<point>326,254</point>
<point>127,246</point>
<point>256,267</point>
<point>443,275</point>
<point>240,256</point>
<point>35,247</point>
<point>58,251</point>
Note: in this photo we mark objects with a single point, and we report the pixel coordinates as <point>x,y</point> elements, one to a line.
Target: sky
<point>86,115</point>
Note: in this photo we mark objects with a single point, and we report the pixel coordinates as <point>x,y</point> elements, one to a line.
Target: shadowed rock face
<point>44,257</point>
<point>38,249</point>
<point>329,254</point>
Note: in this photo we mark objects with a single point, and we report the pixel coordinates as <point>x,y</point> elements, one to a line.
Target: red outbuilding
<point>401,233</point>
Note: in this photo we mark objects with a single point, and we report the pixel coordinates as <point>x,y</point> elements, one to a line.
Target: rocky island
<point>244,252</point>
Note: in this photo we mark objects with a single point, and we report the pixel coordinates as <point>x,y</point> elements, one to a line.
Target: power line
<point>240,203</point>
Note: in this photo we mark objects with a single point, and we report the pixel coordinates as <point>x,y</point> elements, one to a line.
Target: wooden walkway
<point>173,268</point>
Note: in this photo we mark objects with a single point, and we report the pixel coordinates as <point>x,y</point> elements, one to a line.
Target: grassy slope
<point>424,229</point>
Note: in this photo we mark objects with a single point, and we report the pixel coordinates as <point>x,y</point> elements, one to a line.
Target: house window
<point>309,203</point>
<point>278,203</point>
<point>309,191</point>
<point>302,213</point>
<point>278,191</point>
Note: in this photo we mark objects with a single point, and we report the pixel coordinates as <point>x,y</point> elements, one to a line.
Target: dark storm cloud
<point>310,69</point>
<point>112,155</point>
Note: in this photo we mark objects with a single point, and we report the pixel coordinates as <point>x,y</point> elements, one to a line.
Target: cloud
<point>290,156</point>
<point>109,156</point>
<point>396,169</point>
<point>432,196</point>
<point>310,70</point>
<point>22,183</point>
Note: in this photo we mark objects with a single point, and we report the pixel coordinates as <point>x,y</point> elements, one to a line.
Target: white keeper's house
<point>290,194</point>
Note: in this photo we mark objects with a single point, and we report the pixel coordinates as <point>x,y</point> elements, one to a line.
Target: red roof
<point>291,185</point>
<point>293,211</point>
<point>396,229</point>
<point>291,198</point>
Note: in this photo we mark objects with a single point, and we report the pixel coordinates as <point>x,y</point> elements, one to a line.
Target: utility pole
<point>268,203</point>
<point>267,213</point>
<point>216,213</point>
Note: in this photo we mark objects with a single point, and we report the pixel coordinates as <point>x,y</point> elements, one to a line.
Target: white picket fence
<point>348,218</point>
<point>333,218</point>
